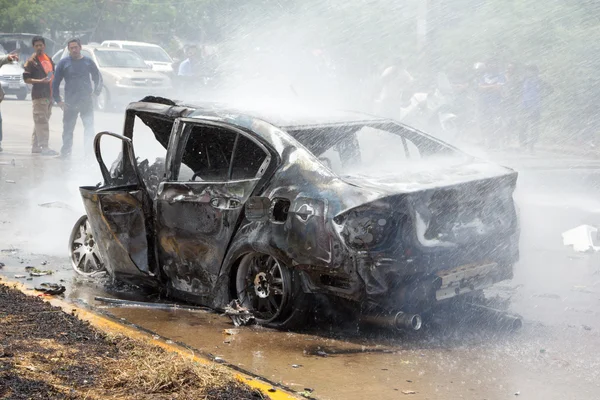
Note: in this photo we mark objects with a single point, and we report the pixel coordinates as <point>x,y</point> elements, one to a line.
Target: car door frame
<point>120,213</point>
<point>172,259</point>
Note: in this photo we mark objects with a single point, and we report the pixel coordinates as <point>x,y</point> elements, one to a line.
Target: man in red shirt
<point>39,72</point>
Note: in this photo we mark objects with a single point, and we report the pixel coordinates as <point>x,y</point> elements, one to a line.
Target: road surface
<point>557,291</point>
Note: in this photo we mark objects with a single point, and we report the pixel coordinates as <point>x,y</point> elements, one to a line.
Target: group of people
<point>508,103</point>
<point>78,73</point>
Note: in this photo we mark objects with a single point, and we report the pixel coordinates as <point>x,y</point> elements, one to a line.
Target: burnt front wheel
<point>83,249</point>
<point>271,292</point>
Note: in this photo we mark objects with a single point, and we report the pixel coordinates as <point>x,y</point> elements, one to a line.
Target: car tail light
<point>366,228</point>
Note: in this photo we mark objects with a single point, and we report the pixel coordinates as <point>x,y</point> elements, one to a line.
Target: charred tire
<point>271,291</point>
<point>83,250</point>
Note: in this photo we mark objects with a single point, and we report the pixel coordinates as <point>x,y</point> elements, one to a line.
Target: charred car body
<point>350,207</point>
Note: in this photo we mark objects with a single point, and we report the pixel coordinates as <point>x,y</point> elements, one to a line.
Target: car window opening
<point>217,155</point>
<point>369,149</point>
<point>150,154</point>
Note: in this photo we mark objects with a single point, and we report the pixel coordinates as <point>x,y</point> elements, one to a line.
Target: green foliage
<point>561,36</point>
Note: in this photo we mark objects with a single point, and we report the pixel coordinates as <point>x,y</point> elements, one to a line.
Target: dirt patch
<point>46,353</point>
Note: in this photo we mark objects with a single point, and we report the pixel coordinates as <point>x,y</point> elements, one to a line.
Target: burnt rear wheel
<point>271,291</point>
<point>83,249</point>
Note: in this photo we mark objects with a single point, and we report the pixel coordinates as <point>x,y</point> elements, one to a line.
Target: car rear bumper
<point>13,87</point>
<point>394,280</point>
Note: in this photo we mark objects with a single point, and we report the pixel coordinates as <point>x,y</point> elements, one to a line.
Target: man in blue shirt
<point>76,70</point>
<point>189,66</point>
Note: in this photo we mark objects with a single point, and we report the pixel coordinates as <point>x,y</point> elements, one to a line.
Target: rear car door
<point>210,177</point>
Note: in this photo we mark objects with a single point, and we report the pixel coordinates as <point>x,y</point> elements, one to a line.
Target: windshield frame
<point>101,64</point>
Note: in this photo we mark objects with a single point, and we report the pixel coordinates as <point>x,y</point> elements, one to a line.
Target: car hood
<point>132,73</point>
<point>11,69</point>
<point>425,175</point>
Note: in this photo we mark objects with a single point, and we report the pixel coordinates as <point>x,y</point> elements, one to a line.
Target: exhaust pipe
<point>399,321</point>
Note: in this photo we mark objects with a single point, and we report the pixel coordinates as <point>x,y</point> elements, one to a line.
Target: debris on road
<point>239,314</point>
<point>10,181</point>
<point>584,238</point>
<point>231,331</point>
<point>548,296</point>
<point>56,204</point>
<point>296,365</point>
<point>20,276</point>
<point>409,392</point>
<point>307,393</point>
<point>142,304</point>
<point>52,289</point>
<point>33,271</point>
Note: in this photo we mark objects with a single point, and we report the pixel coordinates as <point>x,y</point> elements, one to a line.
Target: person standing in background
<point>5,60</point>
<point>396,89</point>
<point>189,66</point>
<point>490,89</point>
<point>533,93</point>
<point>39,70</point>
<point>76,70</point>
<point>512,95</point>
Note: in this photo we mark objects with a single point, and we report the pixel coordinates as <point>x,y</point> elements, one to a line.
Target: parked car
<point>21,44</point>
<point>154,55</point>
<point>57,56</point>
<point>348,206</point>
<point>125,75</point>
<point>11,79</point>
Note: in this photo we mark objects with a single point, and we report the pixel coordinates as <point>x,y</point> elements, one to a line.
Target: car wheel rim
<point>263,286</point>
<point>83,249</point>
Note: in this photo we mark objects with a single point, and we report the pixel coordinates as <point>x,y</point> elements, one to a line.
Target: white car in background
<point>125,75</point>
<point>154,55</point>
<point>11,79</point>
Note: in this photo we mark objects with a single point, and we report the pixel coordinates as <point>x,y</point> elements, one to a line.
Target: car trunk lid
<point>449,206</point>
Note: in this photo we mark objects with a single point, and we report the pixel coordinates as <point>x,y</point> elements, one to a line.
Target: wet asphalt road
<point>557,291</point>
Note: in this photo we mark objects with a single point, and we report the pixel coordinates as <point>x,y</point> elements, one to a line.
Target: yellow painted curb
<point>109,326</point>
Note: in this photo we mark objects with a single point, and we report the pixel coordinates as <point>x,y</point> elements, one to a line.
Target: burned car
<point>274,214</point>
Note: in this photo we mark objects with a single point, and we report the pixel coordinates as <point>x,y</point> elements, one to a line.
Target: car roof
<point>131,43</point>
<point>93,48</point>
<point>102,48</point>
<point>290,118</point>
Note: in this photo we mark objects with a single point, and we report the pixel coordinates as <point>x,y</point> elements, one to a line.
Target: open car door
<point>120,217</point>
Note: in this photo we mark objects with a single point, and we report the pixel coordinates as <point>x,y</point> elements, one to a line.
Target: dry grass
<point>150,370</point>
<point>47,354</point>
<point>154,370</point>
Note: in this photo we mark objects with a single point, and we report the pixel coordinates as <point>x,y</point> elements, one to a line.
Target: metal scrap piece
<point>141,304</point>
<point>239,314</point>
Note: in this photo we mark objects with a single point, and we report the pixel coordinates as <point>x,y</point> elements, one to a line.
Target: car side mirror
<point>257,208</point>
